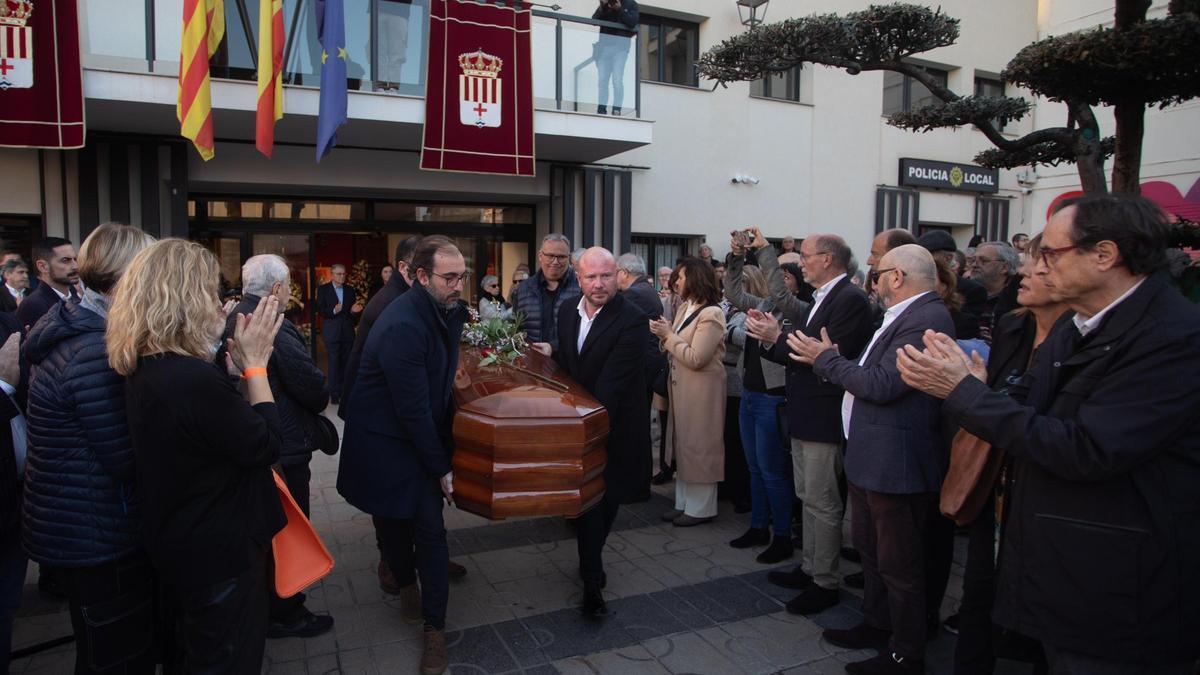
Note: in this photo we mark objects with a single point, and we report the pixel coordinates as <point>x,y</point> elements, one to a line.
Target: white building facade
<point>682,163</point>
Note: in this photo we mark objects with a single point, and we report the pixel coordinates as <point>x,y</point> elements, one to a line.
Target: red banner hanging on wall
<point>41,83</point>
<point>479,100</point>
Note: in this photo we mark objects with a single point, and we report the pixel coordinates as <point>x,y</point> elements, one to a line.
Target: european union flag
<point>331,32</point>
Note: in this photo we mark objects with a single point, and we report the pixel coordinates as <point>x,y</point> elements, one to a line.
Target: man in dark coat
<point>58,271</point>
<point>1102,542</point>
<point>298,387</point>
<point>339,307</point>
<point>974,295</point>
<point>602,346</point>
<point>396,455</point>
<point>813,405</point>
<point>541,296</point>
<point>895,460</point>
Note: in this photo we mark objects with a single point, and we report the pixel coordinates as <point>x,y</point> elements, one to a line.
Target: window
<point>784,85</point>
<point>668,50</point>
<point>985,86</point>
<point>658,252</point>
<point>902,93</point>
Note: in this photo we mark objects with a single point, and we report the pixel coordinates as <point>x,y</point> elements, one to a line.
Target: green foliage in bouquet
<point>501,341</point>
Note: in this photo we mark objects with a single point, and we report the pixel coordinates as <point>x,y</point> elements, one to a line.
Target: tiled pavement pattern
<point>680,601</point>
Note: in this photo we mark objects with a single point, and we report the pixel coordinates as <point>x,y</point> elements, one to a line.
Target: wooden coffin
<point>529,441</point>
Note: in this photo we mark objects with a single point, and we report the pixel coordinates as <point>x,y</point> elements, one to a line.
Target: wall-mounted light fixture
<point>752,12</point>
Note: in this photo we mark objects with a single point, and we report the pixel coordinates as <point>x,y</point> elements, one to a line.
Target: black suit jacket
<point>814,403</point>
<point>7,302</point>
<point>335,327</point>
<point>375,306</point>
<point>399,424</point>
<point>612,367</point>
<point>36,304</point>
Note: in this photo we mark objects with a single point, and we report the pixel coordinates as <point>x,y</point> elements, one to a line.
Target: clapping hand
<point>762,327</point>
<point>806,349</point>
<point>254,335</point>
<point>660,328</point>
<point>941,367</point>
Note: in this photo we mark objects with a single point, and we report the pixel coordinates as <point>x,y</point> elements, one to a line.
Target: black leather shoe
<point>813,600</point>
<point>796,580</point>
<point>307,625</point>
<point>742,507</point>
<point>851,555</point>
<point>752,537</point>
<point>780,549</point>
<point>886,663</point>
<point>855,580</point>
<point>593,603</point>
<point>663,477</point>
<point>601,110</point>
<point>456,571</point>
<point>861,636</point>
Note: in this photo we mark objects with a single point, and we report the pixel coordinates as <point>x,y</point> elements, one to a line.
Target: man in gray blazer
<point>895,460</point>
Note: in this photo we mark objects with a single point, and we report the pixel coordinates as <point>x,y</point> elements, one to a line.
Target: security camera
<point>1026,191</point>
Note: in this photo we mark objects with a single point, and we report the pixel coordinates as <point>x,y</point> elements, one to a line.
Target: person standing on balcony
<point>612,49</point>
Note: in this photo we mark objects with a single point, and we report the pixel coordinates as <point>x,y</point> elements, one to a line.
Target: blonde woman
<point>80,513</point>
<point>695,344</point>
<point>202,450</point>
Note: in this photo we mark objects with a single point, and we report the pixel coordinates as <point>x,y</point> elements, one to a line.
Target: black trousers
<point>426,535</point>
<point>736,486</point>
<point>974,653</point>
<point>297,477</point>
<point>339,356</point>
<point>591,531</point>
<point>939,556</point>
<point>662,441</point>
<point>112,613</point>
<point>223,628</point>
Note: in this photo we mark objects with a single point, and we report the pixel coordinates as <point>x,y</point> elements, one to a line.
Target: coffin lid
<point>532,387</point>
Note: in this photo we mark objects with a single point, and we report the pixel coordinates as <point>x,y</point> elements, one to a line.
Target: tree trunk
<point>1127,163</point>
<point>1089,159</point>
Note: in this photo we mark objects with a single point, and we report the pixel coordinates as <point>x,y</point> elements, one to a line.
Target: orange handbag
<point>301,558</point>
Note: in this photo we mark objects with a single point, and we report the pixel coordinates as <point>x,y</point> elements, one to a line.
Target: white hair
<point>1008,254</point>
<point>632,263</point>
<point>261,272</point>
<point>554,236</point>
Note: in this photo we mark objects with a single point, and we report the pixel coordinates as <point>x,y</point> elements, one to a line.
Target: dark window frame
<point>906,101</point>
<point>657,24</point>
<point>996,82</point>
<point>793,76</point>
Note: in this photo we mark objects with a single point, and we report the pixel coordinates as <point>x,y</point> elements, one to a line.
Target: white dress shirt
<point>14,292</point>
<point>821,293</point>
<point>60,294</point>
<point>585,324</point>
<point>1090,324</point>
<point>889,317</point>
<point>19,434</point>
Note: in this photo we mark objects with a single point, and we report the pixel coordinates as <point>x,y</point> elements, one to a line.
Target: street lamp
<point>752,12</point>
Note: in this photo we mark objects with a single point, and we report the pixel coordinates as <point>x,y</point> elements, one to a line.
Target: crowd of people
<point>149,427</point>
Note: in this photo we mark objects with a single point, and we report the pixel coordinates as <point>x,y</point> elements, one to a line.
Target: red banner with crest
<point>479,97</point>
<point>41,83</point>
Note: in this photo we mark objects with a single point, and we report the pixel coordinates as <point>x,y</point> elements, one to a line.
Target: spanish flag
<point>270,74</point>
<point>203,29</point>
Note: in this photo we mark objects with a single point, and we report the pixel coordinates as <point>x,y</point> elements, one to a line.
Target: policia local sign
<point>924,173</point>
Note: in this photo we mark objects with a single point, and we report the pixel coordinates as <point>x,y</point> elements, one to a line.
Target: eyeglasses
<point>1050,255</point>
<point>559,259</point>
<point>453,279</point>
<point>876,274</point>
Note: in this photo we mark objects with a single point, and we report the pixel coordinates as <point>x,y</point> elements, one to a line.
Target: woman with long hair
<point>81,515</point>
<point>203,450</point>
<point>694,344</point>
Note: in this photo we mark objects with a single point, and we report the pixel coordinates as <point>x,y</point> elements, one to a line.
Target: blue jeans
<point>611,54</point>
<point>769,461</point>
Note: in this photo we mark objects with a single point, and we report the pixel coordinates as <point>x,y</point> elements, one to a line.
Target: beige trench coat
<point>696,396</point>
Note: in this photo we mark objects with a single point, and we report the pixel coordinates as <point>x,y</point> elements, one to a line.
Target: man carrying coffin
<point>602,346</point>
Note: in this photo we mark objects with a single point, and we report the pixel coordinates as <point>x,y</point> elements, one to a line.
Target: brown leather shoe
<point>434,659</point>
<point>387,580</point>
<point>410,604</point>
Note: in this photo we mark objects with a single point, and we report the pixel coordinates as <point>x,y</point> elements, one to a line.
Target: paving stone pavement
<point>680,601</point>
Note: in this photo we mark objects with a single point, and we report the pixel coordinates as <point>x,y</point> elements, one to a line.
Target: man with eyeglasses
<point>1102,539</point>
<point>995,266</point>
<point>395,460</point>
<point>895,460</point>
<point>540,297</point>
<point>842,311</point>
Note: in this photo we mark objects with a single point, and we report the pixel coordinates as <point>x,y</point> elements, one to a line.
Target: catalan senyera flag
<point>270,74</point>
<point>203,29</point>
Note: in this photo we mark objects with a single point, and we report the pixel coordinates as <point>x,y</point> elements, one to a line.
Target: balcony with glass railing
<point>386,41</point>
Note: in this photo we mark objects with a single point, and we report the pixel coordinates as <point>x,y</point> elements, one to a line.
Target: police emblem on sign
<point>16,44</point>
<point>479,92</point>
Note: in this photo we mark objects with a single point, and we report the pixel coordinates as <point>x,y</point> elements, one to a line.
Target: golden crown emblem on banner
<point>480,64</point>
<point>15,12</point>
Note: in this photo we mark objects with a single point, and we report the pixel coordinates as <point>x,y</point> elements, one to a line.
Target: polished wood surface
<point>529,441</point>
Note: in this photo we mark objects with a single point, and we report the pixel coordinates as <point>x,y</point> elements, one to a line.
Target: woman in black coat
<point>203,451</point>
<point>80,513</point>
